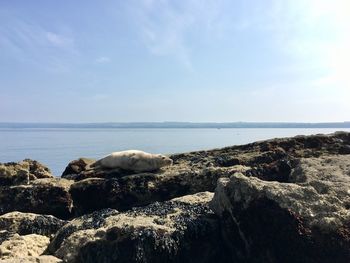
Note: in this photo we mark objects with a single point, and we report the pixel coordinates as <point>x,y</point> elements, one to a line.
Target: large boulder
<point>49,196</point>
<point>22,172</point>
<point>304,220</point>
<point>29,223</point>
<point>180,230</point>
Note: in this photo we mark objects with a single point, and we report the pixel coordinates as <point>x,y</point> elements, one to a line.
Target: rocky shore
<point>280,200</point>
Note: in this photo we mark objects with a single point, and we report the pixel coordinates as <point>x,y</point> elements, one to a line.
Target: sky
<point>174,60</point>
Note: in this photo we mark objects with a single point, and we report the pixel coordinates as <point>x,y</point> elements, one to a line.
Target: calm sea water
<point>56,147</point>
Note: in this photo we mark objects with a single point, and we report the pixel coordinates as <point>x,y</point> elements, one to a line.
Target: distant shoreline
<point>182,125</point>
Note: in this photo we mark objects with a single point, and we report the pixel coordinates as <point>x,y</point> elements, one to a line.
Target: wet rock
<point>22,172</point>
<point>305,220</point>
<point>48,196</point>
<point>180,230</point>
<point>20,247</point>
<point>28,223</point>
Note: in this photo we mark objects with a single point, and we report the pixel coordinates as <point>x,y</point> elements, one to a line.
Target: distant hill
<point>179,125</point>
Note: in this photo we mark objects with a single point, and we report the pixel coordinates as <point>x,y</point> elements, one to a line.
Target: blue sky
<point>148,60</point>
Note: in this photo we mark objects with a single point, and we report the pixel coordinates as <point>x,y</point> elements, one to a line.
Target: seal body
<point>134,160</point>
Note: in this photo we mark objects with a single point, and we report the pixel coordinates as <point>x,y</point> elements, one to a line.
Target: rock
<point>271,160</point>
<point>23,246</point>
<point>4,235</point>
<point>75,167</point>
<point>142,189</point>
<point>28,223</point>
<point>22,172</point>
<point>280,200</point>
<point>94,220</point>
<point>226,161</point>
<point>255,155</point>
<point>276,171</point>
<point>48,196</point>
<point>40,259</point>
<point>305,220</point>
<point>180,230</point>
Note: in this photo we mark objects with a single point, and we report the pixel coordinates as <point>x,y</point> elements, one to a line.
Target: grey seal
<point>134,160</point>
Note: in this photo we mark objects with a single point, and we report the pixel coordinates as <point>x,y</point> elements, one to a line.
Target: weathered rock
<point>142,189</point>
<point>76,167</point>
<point>23,246</point>
<point>28,223</point>
<point>48,196</point>
<point>281,200</point>
<point>30,259</point>
<point>305,220</point>
<point>4,235</point>
<point>180,230</point>
<point>256,155</point>
<point>271,160</point>
<point>22,172</point>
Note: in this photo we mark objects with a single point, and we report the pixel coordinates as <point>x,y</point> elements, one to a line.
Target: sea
<point>56,147</point>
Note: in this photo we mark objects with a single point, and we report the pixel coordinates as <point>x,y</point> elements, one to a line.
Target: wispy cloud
<point>103,60</point>
<point>59,41</point>
<point>165,26</point>
<point>35,44</point>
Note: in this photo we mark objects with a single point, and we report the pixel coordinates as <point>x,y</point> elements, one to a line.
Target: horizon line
<point>165,122</point>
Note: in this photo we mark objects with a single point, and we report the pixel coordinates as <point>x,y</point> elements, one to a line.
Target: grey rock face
<point>306,220</point>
